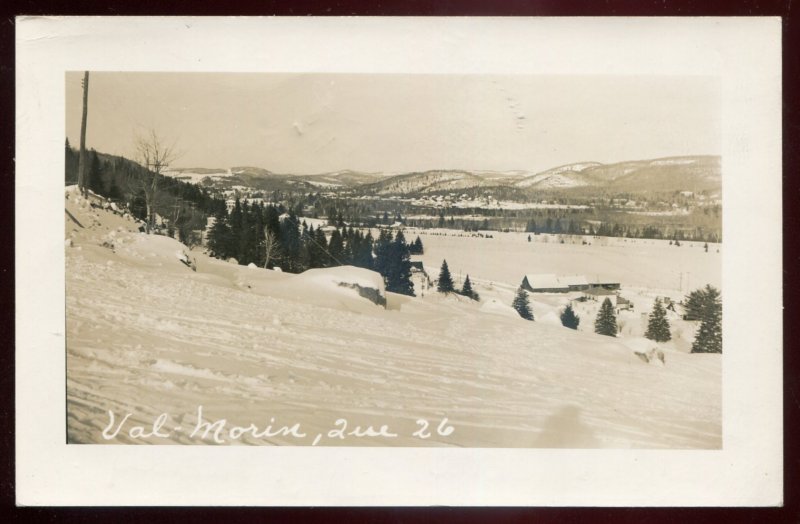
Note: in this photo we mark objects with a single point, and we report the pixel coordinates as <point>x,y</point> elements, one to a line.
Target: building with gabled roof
<point>543,283</point>
<point>551,283</point>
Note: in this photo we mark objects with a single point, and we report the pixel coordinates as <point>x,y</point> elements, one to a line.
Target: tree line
<point>185,206</point>
<point>271,236</point>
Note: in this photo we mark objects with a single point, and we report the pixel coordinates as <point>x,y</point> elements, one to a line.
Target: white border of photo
<point>744,53</point>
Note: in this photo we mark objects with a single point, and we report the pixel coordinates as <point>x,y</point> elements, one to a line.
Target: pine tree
<point>467,290</point>
<point>693,305</point>
<point>522,305</point>
<point>114,192</point>
<point>606,321</point>
<point>246,242</point>
<point>290,244</point>
<point>335,249</point>
<point>569,318</point>
<point>658,326</point>
<point>319,256</point>
<point>416,247</point>
<point>220,239</point>
<point>445,284</point>
<point>382,248</point>
<point>398,279</point>
<point>709,335</point>
<point>95,180</point>
<point>362,250</point>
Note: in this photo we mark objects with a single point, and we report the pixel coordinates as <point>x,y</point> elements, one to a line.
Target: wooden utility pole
<point>82,158</point>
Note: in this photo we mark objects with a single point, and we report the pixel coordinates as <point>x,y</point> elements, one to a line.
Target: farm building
<point>550,283</point>
<point>543,283</point>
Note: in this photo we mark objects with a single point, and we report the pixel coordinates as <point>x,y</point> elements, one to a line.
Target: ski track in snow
<point>146,335</point>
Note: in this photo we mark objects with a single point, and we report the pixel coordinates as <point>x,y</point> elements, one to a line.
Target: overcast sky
<point>290,123</point>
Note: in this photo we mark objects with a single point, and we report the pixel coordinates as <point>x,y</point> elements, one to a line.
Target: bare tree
<point>82,155</point>
<point>154,155</point>
<point>272,247</point>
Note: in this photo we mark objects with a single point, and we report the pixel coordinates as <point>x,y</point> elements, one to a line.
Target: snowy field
<point>147,335</point>
<point>507,257</point>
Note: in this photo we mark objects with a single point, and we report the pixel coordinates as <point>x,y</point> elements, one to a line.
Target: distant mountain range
<point>686,173</point>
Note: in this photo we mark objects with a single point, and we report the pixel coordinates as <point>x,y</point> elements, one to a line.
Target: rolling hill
<point>686,173</point>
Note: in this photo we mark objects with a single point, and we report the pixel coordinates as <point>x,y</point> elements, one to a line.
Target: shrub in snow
<point>569,318</point>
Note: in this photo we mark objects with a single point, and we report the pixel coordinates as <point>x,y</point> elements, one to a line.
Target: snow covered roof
<point>552,281</point>
<point>544,281</point>
<point>573,280</point>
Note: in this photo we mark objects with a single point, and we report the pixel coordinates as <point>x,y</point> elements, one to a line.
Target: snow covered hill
<point>149,335</point>
<point>691,173</point>
<point>429,181</point>
<point>558,177</point>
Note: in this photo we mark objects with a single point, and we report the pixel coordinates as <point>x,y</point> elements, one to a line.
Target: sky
<point>317,123</point>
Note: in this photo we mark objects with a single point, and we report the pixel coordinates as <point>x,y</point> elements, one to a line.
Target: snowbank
<point>366,283</point>
<point>495,307</point>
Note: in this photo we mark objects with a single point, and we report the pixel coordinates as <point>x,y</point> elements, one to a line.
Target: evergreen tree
<point>95,179</point>
<point>382,248</point>
<point>246,242</point>
<point>220,239</point>
<point>114,192</point>
<point>335,249</point>
<point>290,244</point>
<point>416,247</point>
<point>606,321</point>
<point>467,290</point>
<point>693,305</point>
<point>363,255</point>
<point>658,326</point>
<point>445,284</point>
<point>347,251</point>
<point>306,246</point>
<point>522,305</point>
<point>569,318</point>
<point>319,253</point>
<point>398,278</point>
<point>70,164</point>
<point>709,335</point>
<point>235,223</point>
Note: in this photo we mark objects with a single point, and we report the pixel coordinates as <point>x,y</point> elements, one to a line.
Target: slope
<point>146,335</point>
